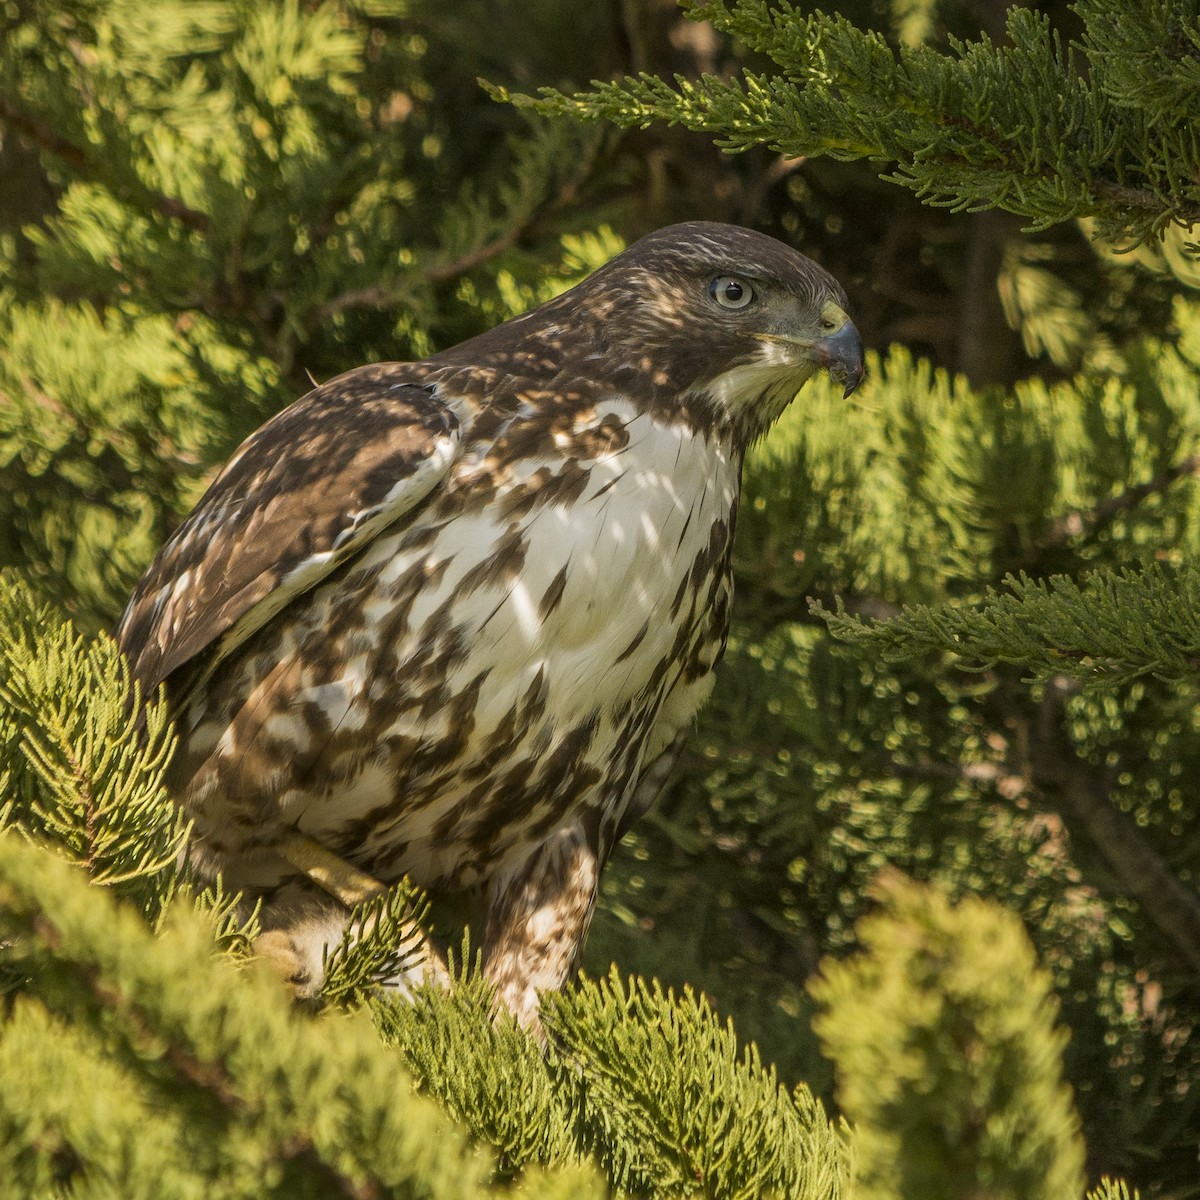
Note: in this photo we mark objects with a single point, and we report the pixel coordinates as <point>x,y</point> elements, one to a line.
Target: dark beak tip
<point>842,353</point>
<point>852,379</point>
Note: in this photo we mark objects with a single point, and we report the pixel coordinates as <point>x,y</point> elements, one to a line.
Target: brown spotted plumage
<point>452,619</point>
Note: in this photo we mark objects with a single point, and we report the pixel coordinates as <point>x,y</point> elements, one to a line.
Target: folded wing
<point>302,495</point>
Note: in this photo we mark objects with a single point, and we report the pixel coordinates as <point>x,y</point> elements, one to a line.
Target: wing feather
<point>303,494</point>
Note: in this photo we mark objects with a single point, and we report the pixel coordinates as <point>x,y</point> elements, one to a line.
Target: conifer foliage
<point>909,1021</point>
<point>223,1085</point>
<point>206,206</point>
<point>966,640</point>
<point>1024,126</point>
<point>80,766</point>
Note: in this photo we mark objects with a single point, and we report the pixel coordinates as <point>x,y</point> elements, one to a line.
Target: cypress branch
<point>948,1056</point>
<point>84,760</point>
<point>488,1072</point>
<point>252,1093</point>
<point>1020,127</point>
<point>80,160</point>
<point>1110,629</point>
<point>673,1107</point>
<point>382,939</point>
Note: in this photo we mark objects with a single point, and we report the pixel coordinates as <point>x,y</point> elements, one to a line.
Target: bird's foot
<point>278,949</point>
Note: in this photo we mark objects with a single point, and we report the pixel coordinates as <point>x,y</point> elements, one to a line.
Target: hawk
<point>452,619</point>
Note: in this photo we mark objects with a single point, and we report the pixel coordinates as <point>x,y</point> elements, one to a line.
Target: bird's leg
<point>303,924</point>
<point>537,917</point>
<point>342,880</point>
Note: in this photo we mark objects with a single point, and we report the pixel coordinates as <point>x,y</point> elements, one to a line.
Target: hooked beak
<point>842,353</point>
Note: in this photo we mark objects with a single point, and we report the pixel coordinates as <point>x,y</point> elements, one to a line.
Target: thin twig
<point>40,133</point>
<point>47,139</point>
<point>384,295</point>
<point>475,258</point>
<point>768,604</point>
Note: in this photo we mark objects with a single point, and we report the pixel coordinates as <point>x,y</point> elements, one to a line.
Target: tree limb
<point>384,295</point>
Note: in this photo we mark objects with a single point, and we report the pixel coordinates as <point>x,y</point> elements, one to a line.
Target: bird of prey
<point>452,619</point>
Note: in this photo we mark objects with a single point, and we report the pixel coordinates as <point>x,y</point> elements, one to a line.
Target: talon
<point>278,950</point>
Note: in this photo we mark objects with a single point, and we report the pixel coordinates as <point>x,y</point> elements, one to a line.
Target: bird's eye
<point>730,293</point>
<point>828,325</point>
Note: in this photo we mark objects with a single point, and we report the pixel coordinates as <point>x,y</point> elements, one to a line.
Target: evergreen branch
<point>948,1056</point>
<point>210,1077</point>
<point>773,606</point>
<point>1082,795</point>
<point>169,206</point>
<point>41,134</point>
<point>442,272</point>
<point>1015,127</point>
<point>375,295</point>
<point>384,940</point>
<point>386,294</point>
<point>86,761</point>
<point>1113,1189</point>
<point>1110,629</point>
<point>486,1070</point>
<point>234,929</point>
<point>675,1108</point>
<point>1123,195</point>
<point>298,1107</point>
<point>1004,779</point>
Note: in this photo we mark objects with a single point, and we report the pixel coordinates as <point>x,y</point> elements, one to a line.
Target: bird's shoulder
<point>300,496</point>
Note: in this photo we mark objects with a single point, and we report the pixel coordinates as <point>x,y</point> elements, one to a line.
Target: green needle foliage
<point>140,1065</point>
<point>81,763</point>
<point>206,206</point>
<point>226,1089</point>
<point>1108,629</point>
<point>677,1109</point>
<point>1031,127</point>
<point>944,1032</point>
<point>1112,1189</point>
<point>487,1072</point>
<point>381,940</point>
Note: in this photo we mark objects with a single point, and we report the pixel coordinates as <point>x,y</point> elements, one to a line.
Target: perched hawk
<point>452,619</point>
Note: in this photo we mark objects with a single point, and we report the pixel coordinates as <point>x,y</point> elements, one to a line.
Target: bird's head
<point>731,321</point>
